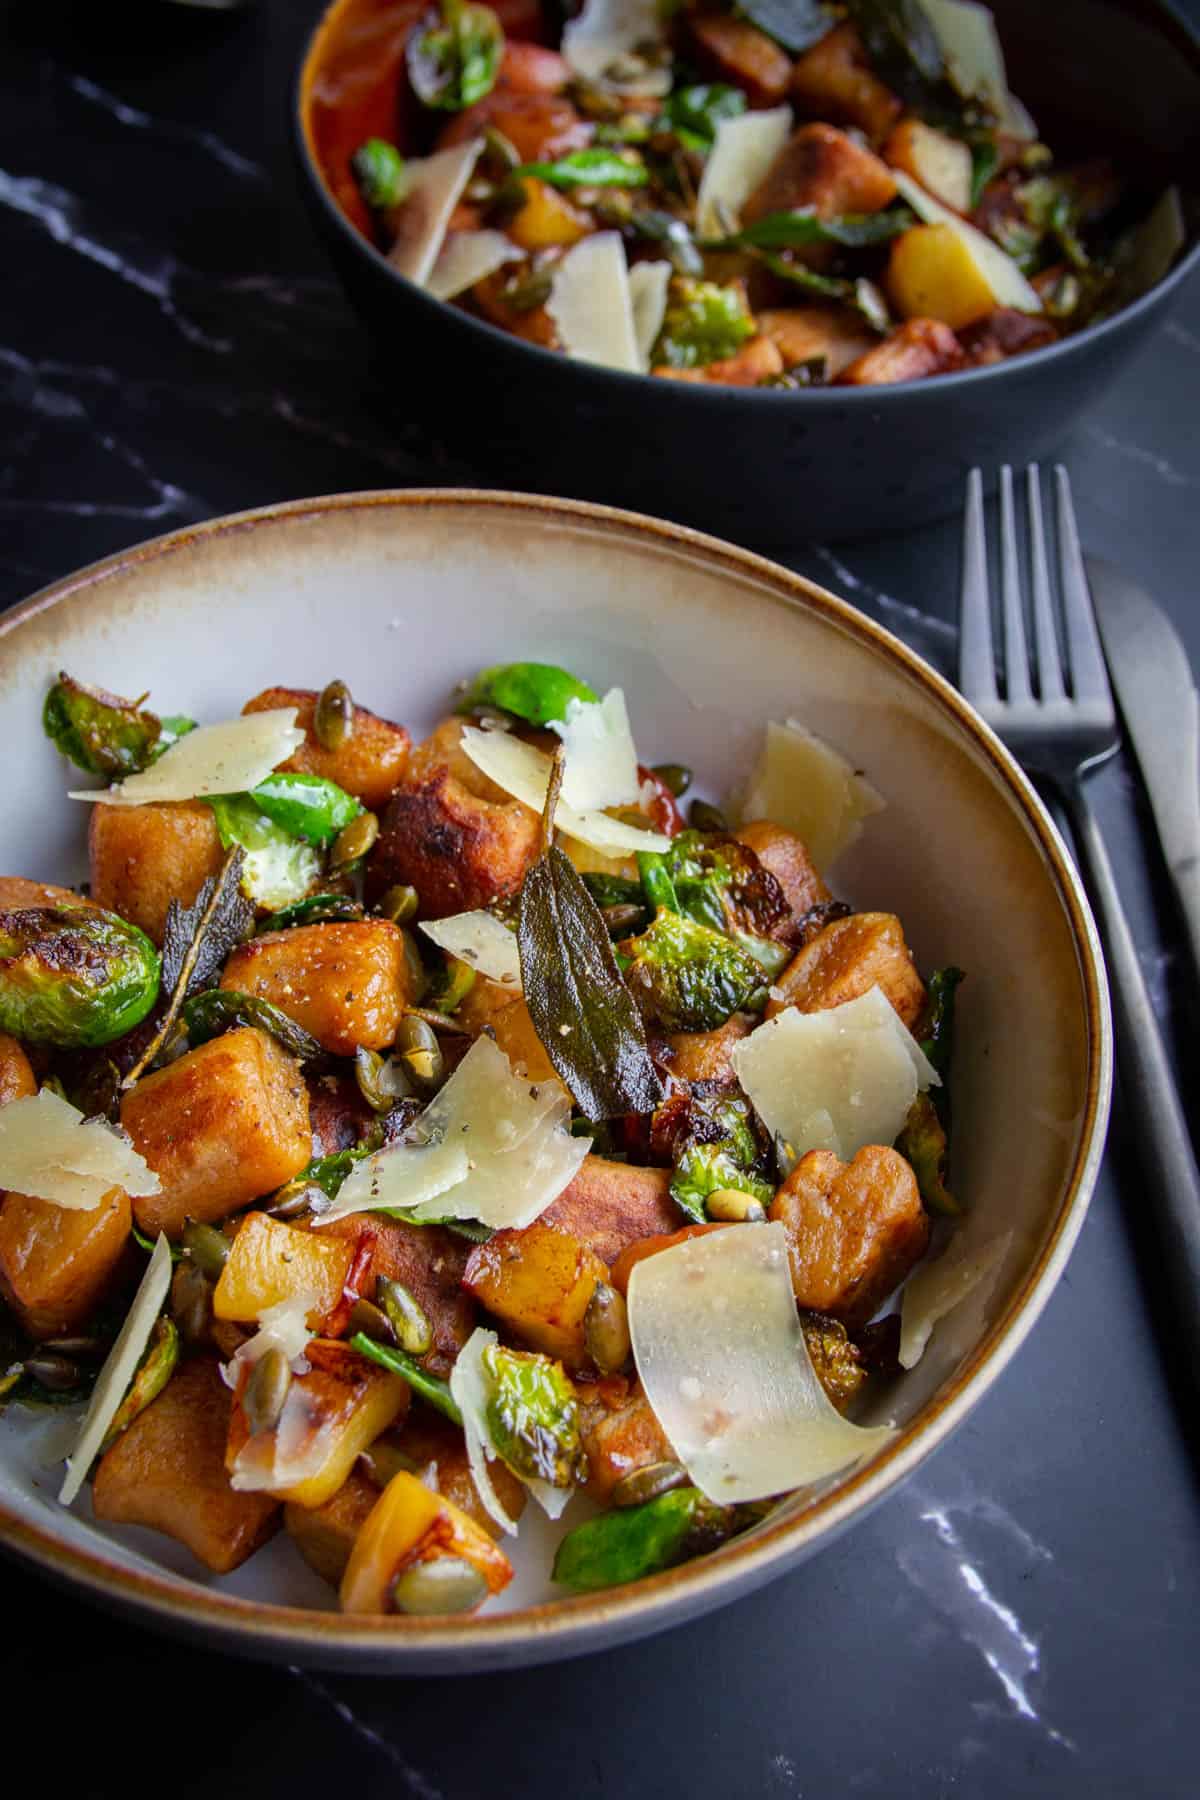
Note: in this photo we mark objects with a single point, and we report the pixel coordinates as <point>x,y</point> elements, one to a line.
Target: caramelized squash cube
<point>854,1230</point>
<point>845,960</point>
<point>270,1261</point>
<point>143,857</point>
<point>369,764</point>
<point>409,1524</point>
<point>56,1262</point>
<point>324,1535</point>
<point>538,1283</point>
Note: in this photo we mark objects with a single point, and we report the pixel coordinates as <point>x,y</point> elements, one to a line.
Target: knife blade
<point>1152,676</point>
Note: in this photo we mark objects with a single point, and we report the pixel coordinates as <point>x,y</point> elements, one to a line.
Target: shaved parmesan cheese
<point>471,1387</point>
<point>601,763</point>
<point>478,938</point>
<point>742,154</point>
<point>48,1149</point>
<point>721,1354</point>
<point>591,304</point>
<point>489,1146</point>
<point>283,1326</point>
<point>229,758</point>
<point>294,1450</point>
<point>648,284</point>
<point>834,1080</point>
<point>803,783</point>
<point>467,257</point>
<point>120,1367</point>
<point>605,31</point>
<point>437,186</point>
<point>936,1288</point>
<point>524,772</point>
<point>970,44</point>
<point>1008,286</point>
<point>398,1176</point>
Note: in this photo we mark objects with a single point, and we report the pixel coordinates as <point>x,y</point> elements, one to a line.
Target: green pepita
<point>448,1584</point>
<point>333,718</point>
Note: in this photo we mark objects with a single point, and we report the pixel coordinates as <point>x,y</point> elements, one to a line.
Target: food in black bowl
<point>793,200</point>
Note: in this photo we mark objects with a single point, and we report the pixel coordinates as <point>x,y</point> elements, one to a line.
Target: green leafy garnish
<point>223,1009</point>
<point>693,113</point>
<point>430,1387</point>
<point>802,225</point>
<point>588,168</point>
<point>378,168</point>
<point>674,236</point>
<point>539,693</point>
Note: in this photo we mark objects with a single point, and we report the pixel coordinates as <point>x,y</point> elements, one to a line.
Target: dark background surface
<point>1023,1616</point>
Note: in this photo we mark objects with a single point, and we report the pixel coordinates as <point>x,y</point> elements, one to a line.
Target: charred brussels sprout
<point>633,1541</point>
<point>720,882</point>
<point>707,1169</point>
<point>536,692</point>
<point>704,323</point>
<point>73,976</point>
<point>102,733</point>
<point>279,869</point>
<point>533,1414</point>
<point>937,1036</point>
<point>687,977</point>
<point>454,55</point>
<point>306,806</point>
<point>923,1144</point>
<point>837,1363</point>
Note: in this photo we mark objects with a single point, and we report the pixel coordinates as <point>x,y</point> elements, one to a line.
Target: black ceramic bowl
<point>776,467</point>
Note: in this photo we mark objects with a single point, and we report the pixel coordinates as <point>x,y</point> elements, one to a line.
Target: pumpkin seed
<point>333,718</point>
<point>90,1348</point>
<point>704,817</point>
<point>606,1329</point>
<point>676,776</point>
<point>420,1052</point>
<point>406,1316</point>
<point>57,1374</point>
<point>354,840</point>
<point>731,1207</point>
<point>381,1080</point>
<point>416,976</point>
<point>207,1247</point>
<point>647,1483</point>
<point>448,1584</point>
<point>295,1198</point>
<point>382,1460</point>
<point>399,904</point>
<point>622,916</point>
<point>267,1390</point>
<point>372,1320</point>
<point>191,1302</point>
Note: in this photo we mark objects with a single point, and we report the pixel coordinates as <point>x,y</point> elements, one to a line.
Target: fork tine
<point>1089,674</point>
<point>1016,652</point>
<point>1049,660</point>
<point>976,658</point>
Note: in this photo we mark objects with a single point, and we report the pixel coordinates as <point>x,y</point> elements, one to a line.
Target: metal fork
<point>1059,720</point>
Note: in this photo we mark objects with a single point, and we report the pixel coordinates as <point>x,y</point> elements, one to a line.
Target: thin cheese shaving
<point>591,305</point>
<point>49,1150</point>
<point>604,32</point>
<point>601,760</point>
<point>741,156</point>
<point>398,1176</point>
<point>936,1288</point>
<point>648,284</point>
<point>803,783</point>
<point>524,772</point>
<point>283,1326</point>
<point>479,938</point>
<point>294,1450</point>
<point>120,1367</point>
<point>834,1080</point>
<point>970,44</point>
<point>467,257</point>
<point>1008,286</point>
<point>229,758</point>
<point>722,1357</point>
<point>437,186</point>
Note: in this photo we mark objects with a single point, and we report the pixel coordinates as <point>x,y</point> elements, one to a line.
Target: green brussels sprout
<point>704,323</point>
<point>99,731</point>
<point>536,692</point>
<point>629,1542</point>
<point>306,806</point>
<point>454,55</point>
<point>837,1363</point>
<point>279,869</point>
<point>705,1169</point>
<point>687,977</point>
<point>923,1144</point>
<point>73,976</point>
<point>378,168</point>
<point>533,1414</point>
<point>153,1373</point>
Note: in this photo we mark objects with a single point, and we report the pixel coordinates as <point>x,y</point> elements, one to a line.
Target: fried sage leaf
<point>802,226</point>
<point>204,934</point>
<point>581,1009</point>
<point>207,1015</point>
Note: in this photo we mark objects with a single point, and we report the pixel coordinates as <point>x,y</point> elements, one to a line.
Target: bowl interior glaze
<point>402,595</point>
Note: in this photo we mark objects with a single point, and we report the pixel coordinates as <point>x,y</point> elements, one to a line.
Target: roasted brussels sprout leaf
<point>693,113</point>
<point>705,1169</point>
<point>903,49</point>
<point>796,24</point>
<point>923,1144</point>
<point>305,806</point>
<point>428,1386</point>
<point>378,168</point>
<point>588,168</point>
<point>629,1542</point>
<point>937,1037</point>
<point>209,1014</point>
<point>315,909</point>
<point>153,1373</point>
<point>720,882</point>
<point>454,55</point>
<point>704,323</point>
<point>536,692</point>
<point>533,1414</point>
<point>98,731</point>
<point>73,976</point>
<point>279,868</point>
<point>985,159</point>
<point>673,234</point>
<point>792,230</point>
<point>687,977</point>
<point>837,1363</point>
<point>861,295</point>
<point>581,1009</point>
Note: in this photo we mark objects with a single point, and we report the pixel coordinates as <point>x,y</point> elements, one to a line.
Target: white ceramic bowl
<point>402,594</point>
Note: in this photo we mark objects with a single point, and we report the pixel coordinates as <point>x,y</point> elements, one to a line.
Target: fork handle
<point>1172,1190</point>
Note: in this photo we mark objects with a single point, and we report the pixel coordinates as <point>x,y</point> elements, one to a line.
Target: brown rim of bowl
<point>890,395</point>
<point>647,1605</point>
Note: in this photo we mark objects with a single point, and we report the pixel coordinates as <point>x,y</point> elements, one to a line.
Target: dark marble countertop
<point>1024,1616</point>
